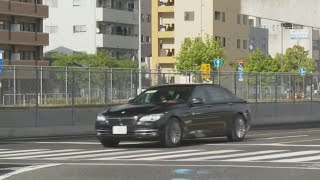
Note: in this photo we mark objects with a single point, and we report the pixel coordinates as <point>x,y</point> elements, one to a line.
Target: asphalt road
<point>284,154</point>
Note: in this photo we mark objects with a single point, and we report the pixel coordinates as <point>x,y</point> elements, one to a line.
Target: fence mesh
<point>61,86</point>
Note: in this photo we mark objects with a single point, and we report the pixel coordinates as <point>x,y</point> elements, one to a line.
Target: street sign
<point>205,71</point>
<point>302,71</point>
<point>1,61</point>
<point>240,70</point>
<point>217,62</point>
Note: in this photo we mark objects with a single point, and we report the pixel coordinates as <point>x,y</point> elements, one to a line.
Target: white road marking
<point>283,137</point>
<point>72,153</point>
<point>86,156</point>
<point>232,155</point>
<point>87,143</point>
<point>301,159</point>
<point>23,152</point>
<point>107,154</point>
<point>290,132</point>
<point>274,156</point>
<point>26,169</point>
<point>271,144</point>
<point>152,154</point>
<point>56,152</point>
<point>193,165</point>
<point>299,141</point>
<point>186,155</point>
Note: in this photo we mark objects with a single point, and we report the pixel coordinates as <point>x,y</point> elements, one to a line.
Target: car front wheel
<point>110,142</point>
<point>172,134</point>
<point>238,129</point>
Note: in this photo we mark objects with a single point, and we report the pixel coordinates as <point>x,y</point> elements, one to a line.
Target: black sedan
<point>173,113</point>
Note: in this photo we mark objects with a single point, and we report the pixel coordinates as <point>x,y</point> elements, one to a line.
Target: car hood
<point>135,110</point>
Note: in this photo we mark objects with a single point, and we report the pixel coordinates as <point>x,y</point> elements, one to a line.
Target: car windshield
<point>164,95</point>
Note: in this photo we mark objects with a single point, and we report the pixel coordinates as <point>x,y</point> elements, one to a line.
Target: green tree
<point>297,57</point>
<point>100,59</point>
<point>258,62</point>
<point>197,51</point>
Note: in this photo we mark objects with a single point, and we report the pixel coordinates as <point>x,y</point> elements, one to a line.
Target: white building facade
<point>86,26</point>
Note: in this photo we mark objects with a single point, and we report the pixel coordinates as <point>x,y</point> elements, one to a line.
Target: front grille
<point>119,121</point>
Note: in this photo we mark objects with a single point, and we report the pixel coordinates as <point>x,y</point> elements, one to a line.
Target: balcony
<point>166,31</point>
<point>24,38</point>
<point>117,41</point>
<point>23,69</point>
<point>24,9</point>
<point>117,16</point>
<point>166,6</point>
<point>26,62</point>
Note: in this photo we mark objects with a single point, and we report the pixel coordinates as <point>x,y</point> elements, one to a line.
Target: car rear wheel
<point>110,142</point>
<point>238,130</point>
<point>172,134</point>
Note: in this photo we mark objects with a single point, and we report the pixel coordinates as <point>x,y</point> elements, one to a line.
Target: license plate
<point>119,130</point>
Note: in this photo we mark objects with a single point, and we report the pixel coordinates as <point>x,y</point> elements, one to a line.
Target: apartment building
<point>175,20</point>
<point>77,26</point>
<point>21,32</point>
<point>285,35</point>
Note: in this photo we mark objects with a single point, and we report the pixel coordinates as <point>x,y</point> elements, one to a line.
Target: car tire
<point>171,135</point>
<point>238,129</point>
<point>110,142</point>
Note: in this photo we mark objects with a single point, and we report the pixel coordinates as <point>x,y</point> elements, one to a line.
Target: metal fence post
<point>66,84</point>
<point>73,95</point>
<point>89,93</point>
<point>276,88</point>
<point>294,88</point>
<point>105,87</point>
<point>235,83</point>
<point>14,85</point>
<point>311,88</point>
<point>256,88</point>
<point>41,85</point>
<point>37,93</point>
<point>111,75</point>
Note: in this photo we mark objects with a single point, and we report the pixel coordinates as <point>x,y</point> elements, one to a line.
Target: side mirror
<point>197,101</point>
<point>130,100</point>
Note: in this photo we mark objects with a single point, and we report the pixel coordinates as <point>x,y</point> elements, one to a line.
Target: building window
<point>189,16</point>
<point>217,16</point>
<point>273,27</point>
<point>149,18</point>
<point>223,42</point>
<point>147,39</point>
<point>142,38</point>
<point>51,3</point>
<point>31,27</point>
<point>238,19</point>
<point>251,22</point>
<point>77,3</point>
<point>79,28</point>
<point>245,44</point>
<point>142,17</point>
<point>238,43</point>
<point>223,17</point>
<point>51,29</point>
<point>4,25</point>
<point>130,6</point>
<point>245,19</point>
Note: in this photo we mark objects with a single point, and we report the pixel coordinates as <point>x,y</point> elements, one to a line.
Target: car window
<point>200,93</point>
<point>164,95</point>
<point>218,94</point>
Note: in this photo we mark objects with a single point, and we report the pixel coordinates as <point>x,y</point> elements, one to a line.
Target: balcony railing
<point>166,53</point>
<point>16,8</point>
<point>166,2</point>
<point>24,38</point>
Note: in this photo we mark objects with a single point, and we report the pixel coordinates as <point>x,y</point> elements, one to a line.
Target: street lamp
<point>139,51</point>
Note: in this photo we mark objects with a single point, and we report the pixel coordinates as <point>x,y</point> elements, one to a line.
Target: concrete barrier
<point>80,121</point>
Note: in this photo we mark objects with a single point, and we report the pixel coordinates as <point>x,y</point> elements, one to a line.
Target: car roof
<point>185,85</point>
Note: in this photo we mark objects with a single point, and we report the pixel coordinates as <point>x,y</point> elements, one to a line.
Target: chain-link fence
<point>65,86</point>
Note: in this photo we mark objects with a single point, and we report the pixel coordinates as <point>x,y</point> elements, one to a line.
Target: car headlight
<point>152,117</point>
<point>101,118</point>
